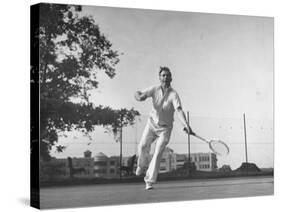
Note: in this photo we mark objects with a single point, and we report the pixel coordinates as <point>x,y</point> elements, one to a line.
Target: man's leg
<point>162,141</point>
<point>148,137</point>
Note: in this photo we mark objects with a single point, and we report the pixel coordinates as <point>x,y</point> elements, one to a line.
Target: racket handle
<point>185,129</point>
<point>197,136</point>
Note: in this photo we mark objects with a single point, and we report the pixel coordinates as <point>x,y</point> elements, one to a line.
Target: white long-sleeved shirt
<point>163,105</point>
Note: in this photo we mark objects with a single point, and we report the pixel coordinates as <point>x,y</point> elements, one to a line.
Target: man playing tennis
<point>165,101</point>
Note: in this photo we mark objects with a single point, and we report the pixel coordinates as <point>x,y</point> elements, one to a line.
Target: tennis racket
<point>217,146</point>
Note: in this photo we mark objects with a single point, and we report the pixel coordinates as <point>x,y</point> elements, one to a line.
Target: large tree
<point>72,50</point>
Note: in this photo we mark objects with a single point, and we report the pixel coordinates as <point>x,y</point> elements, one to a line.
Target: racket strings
<point>219,147</point>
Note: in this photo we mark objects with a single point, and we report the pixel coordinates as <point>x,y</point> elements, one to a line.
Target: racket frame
<point>209,143</point>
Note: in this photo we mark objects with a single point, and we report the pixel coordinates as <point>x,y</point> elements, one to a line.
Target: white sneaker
<point>148,186</point>
<point>139,171</point>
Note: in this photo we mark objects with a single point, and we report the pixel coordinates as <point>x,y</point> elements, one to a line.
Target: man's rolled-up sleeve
<point>176,101</point>
<point>148,91</point>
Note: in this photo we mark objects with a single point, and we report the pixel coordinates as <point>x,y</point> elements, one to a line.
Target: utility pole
<point>188,137</point>
<point>120,174</point>
<point>245,136</point>
<point>246,150</point>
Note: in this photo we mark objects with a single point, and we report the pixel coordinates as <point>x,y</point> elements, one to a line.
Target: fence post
<point>188,137</point>
<point>245,137</point>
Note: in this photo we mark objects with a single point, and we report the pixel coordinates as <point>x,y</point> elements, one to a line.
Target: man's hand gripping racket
<point>217,146</point>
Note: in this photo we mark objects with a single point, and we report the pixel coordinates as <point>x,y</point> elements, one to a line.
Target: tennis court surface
<point>132,193</point>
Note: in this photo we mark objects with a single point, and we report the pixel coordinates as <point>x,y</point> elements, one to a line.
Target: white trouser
<point>150,134</point>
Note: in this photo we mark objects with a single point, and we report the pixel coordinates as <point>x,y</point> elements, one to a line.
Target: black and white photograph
<point>143,106</point>
<point>140,105</point>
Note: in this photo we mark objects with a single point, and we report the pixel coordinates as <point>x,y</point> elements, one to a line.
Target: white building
<point>171,161</point>
<point>204,161</point>
<point>85,167</point>
<point>102,166</point>
<point>106,167</point>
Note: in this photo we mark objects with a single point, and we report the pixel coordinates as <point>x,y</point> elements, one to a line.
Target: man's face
<point>165,77</point>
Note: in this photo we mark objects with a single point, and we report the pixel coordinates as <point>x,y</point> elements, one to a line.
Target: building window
<point>100,171</point>
<point>112,171</point>
<point>101,163</point>
<point>112,163</point>
<point>205,166</point>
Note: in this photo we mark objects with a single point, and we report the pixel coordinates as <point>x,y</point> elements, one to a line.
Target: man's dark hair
<point>164,68</point>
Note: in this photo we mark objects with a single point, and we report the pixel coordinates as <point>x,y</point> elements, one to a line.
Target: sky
<point>222,67</point>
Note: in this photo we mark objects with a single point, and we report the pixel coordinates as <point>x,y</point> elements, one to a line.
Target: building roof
<point>100,154</point>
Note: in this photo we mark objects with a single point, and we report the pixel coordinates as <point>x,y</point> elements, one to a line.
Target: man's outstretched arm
<point>184,122</point>
<point>139,96</point>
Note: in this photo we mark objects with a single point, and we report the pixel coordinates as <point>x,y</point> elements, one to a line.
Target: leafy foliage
<point>72,52</point>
